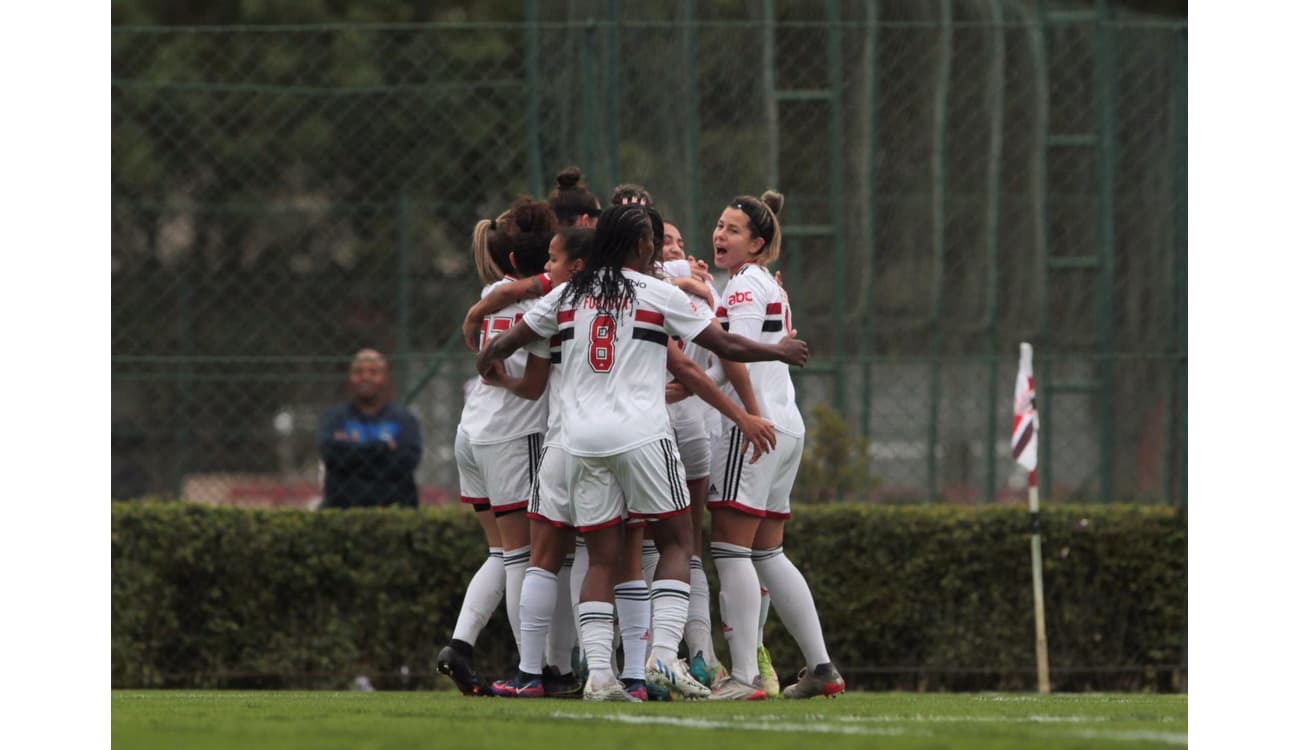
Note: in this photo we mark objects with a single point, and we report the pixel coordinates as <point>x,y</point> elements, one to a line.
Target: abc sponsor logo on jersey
<point>738,298</point>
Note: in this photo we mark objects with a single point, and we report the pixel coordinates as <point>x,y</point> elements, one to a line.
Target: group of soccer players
<point>619,397</point>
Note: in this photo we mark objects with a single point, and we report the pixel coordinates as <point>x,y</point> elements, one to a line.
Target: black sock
<point>462,648</point>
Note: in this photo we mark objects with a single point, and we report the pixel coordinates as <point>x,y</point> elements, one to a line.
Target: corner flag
<point>1024,430</point>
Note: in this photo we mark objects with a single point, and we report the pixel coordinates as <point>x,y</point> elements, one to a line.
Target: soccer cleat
<point>636,689</point>
<point>824,680</point>
<point>460,669</point>
<point>704,674</point>
<point>558,685</point>
<point>607,690</point>
<point>767,673</point>
<point>675,677</point>
<point>519,686</point>
<point>657,693</point>
<point>732,689</point>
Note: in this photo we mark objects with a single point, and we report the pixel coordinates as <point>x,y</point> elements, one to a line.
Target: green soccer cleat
<point>767,673</point>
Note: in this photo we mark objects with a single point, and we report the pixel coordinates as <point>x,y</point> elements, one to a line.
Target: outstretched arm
<point>740,349</point>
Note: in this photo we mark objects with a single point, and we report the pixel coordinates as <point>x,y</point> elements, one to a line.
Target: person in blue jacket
<point>369,444</point>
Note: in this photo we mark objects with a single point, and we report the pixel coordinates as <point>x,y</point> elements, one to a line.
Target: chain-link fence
<point>960,175</point>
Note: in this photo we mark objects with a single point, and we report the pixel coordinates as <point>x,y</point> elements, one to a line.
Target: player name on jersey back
<point>613,363</point>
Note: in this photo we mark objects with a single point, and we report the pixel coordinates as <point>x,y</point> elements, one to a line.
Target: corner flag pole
<point>1024,449</point>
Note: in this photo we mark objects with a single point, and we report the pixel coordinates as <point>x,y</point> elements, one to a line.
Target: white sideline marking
<point>766,724</point>
<point>1134,735</point>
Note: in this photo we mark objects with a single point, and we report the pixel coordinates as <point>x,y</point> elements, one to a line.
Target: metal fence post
<point>938,168</point>
<point>993,187</point>
<point>403,290</point>
<point>695,233</point>
<point>532,74</point>
<point>872,123</point>
<point>834,50</point>
<point>1105,72</point>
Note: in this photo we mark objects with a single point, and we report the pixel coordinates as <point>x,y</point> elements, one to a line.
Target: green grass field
<point>381,720</point>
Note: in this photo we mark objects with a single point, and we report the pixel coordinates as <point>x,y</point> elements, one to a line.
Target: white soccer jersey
<point>493,414</point>
<point>550,348</point>
<point>614,367</point>
<point>756,307</point>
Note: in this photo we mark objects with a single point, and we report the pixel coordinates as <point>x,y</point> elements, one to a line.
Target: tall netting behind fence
<point>960,176</point>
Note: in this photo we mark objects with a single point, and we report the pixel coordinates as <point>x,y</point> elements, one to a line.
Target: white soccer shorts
<point>499,475</point>
<point>693,443</point>
<point>760,489</point>
<point>650,477</point>
<point>550,502</point>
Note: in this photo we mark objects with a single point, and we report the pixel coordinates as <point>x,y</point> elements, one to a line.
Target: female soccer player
<point>499,440</point>
<point>752,501</point>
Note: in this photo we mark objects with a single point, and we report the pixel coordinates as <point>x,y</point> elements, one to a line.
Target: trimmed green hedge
<point>934,597</point>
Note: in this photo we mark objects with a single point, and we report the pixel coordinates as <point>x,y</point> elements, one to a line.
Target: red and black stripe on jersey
<point>775,320</point>
<point>648,325</point>
<point>565,319</point>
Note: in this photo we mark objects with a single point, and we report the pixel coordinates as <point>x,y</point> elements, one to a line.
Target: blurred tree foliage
<point>836,461</point>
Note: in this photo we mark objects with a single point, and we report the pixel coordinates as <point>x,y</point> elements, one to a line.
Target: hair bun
<point>774,201</point>
<point>568,178</point>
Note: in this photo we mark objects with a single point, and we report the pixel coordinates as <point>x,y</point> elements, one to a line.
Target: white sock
<point>793,601</point>
<point>564,633</point>
<point>764,604</point>
<point>481,597</point>
<point>670,600</point>
<point>596,624</point>
<point>632,599</point>
<point>536,605</point>
<point>649,560</point>
<point>738,607</point>
<point>516,562</point>
<point>699,629</point>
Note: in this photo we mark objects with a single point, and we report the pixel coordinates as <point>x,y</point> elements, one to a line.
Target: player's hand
<point>700,269</point>
<point>793,351</point>
<point>779,282</point>
<point>495,375</point>
<point>676,392</point>
<point>759,433</point>
<point>471,329</point>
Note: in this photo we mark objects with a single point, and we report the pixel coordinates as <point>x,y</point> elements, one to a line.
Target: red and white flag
<point>1024,430</point>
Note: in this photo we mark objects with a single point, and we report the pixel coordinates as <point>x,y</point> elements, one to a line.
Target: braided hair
<point>620,232</point>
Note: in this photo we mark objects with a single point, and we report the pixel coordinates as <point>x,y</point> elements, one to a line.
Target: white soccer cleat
<point>731,689</point>
<point>675,676</point>
<point>608,690</point>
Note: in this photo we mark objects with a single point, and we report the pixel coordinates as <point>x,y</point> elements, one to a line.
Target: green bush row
<point>935,597</point>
